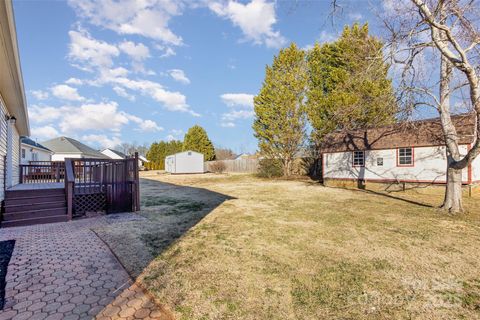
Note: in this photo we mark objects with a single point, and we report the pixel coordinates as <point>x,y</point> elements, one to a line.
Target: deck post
<point>137,184</point>
<point>69,187</point>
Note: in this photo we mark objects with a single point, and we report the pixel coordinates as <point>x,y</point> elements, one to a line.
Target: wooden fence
<point>237,165</point>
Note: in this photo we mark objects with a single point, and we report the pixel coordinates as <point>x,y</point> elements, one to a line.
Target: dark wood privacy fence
<point>42,172</point>
<point>102,184</point>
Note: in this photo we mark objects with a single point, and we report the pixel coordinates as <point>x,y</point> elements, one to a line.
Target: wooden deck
<point>37,186</point>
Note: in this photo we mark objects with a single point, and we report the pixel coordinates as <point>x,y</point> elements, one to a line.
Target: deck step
<point>32,200</point>
<point>14,194</point>
<point>28,222</point>
<point>31,214</point>
<point>38,205</point>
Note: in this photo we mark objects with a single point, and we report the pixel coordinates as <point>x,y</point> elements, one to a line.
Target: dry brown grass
<point>259,249</point>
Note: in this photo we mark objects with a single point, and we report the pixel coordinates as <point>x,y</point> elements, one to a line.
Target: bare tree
<point>447,32</point>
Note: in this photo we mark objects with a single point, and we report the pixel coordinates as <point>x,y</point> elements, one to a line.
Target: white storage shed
<point>184,162</point>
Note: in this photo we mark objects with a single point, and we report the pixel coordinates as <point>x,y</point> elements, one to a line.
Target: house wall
<point>476,170</point>
<point>3,147</point>
<point>429,166</point>
<point>16,157</point>
<point>42,155</point>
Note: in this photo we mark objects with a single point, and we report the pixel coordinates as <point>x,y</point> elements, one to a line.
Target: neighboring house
<point>113,154</point>
<point>412,152</point>
<point>13,109</point>
<point>185,162</point>
<point>64,147</point>
<point>33,151</point>
<point>142,161</point>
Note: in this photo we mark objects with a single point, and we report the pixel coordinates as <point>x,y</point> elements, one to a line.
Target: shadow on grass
<point>387,195</point>
<point>169,212</point>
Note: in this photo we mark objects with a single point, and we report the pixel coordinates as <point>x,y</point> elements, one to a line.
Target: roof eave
<point>12,87</point>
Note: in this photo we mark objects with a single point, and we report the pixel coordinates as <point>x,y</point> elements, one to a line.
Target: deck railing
<point>90,184</point>
<point>42,172</point>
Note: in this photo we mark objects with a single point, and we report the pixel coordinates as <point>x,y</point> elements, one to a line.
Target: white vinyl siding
<point>429,165</point>
<point>33,154</point>
<point>16,157</point>
<point>3,148</point>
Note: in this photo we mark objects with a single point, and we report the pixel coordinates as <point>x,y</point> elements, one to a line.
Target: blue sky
<point>107,72</point>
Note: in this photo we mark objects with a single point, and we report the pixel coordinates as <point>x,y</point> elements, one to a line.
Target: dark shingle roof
<point>412,134</point>
<point>30,142</point>
<point>69,145</point>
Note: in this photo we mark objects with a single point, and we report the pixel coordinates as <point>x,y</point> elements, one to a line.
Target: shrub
<point>218,167</point>
<point>269,168</point>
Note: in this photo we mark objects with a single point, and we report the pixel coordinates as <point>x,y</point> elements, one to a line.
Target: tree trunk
<point>453,201</point>
<point>287,171</point>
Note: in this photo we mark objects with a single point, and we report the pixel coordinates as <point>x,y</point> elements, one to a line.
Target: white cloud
<point>137,51</point>
<point>91,116</point>
<point>237,99</point>
<point>102,140</point>
<point>44,114</point>
<point>65,92</point>
<point>256,20</point>
<point>172,101</point>
<point>39,94</point>
<point>241,107</point>
<point>179,75</point>
<point>97,55</point>
<point>45,132</point>
<point>168,52</point>
<point>146,18</point>
<point>104,116</point>
<point>149,126</point>
<point>123,93</point>
<point>89,52</point>
<point>74,81</point>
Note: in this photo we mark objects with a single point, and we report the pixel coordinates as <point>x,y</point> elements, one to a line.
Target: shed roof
<point>69,145</point>
<point>30,142</point>
<point>407,134</point>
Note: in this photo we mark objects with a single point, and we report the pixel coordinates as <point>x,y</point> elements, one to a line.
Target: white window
<point>34,156</point>
<point>358,158</point>
<point>23,153</point>
<point>405,157</point>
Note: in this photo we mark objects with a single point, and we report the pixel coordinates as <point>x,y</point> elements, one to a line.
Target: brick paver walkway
<point>64,271</point>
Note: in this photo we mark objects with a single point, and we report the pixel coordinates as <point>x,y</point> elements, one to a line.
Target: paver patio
<point>64,271</point>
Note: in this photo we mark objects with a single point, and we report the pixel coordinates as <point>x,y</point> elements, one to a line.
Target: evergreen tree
<point>348,85</point>
<point>196,139</point>
<point>280,119</point>
<point>159,150</point>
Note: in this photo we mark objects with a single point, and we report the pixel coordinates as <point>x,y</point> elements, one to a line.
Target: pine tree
<point>196,139</point>
<point>159,150</point>
<point>348,86</point>
<point>279,108</point>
